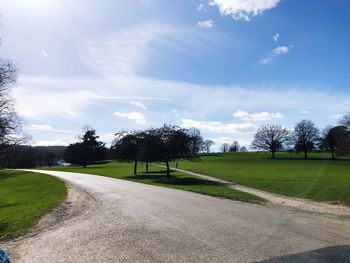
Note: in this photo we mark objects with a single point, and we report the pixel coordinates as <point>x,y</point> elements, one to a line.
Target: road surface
<point>132,222</point>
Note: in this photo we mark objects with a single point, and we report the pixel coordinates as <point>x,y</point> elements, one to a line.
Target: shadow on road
<point>159,177</point>
<point>335,254</point>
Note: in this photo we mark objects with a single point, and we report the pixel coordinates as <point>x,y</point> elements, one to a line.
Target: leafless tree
<point>235,147</point>
<point>270,138</point>
<point>306,136</point>
<point>345,120</point>
<point>206,145</point>
<point>225,147</point>
<point>10,132</point>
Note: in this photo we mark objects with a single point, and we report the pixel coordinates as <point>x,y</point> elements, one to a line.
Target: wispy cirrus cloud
<point>206,23</point>
<point>47,128</point>
<point>243,9</point>
<point>280,50</point>
<point>257,116</point>
<point>138,104</point>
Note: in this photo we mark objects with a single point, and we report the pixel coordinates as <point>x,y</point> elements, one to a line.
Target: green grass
<point>319,178</point>
<point>156,176</point>
<point>24,198</point>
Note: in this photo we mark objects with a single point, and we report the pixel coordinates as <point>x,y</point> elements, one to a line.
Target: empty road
<point>133,222</point>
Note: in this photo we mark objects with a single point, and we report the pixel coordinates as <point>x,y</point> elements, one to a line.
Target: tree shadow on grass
<point>8,175</point>
<point>332,254</point>
<point>160,178</point>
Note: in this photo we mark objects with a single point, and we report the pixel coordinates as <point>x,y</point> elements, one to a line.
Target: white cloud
<point>336,116</point>
<point>243,9</point>
<point>71,113</point>
<point>276,37</point>
<point>206,23</point>
<point>51,143</point>
<point>44,53</point>
<point>304,112</point>
<point>280,50</point>
<point>201,8</point>
<point>138,104</point>
<point>47,128</point>
<point>258,116</point>
<point>266,60</point>
<point>135,116</point>
<point>218,127</point>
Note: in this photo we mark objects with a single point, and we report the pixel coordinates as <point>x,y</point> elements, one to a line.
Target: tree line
<point>165,144</point>
<point>305,137</point>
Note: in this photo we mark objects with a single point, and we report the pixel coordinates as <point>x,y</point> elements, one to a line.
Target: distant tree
<point>195,140</point>
<point>336,140</point>
<point>234,147</point>
<point>225,147</point>
<point>20,156</point>
<point>127,147</point>
<point>270,138</point>
<point>92,150</point>
<point>243,149</point>
<point>206,145</point>
<point>345,120</point>
<point>178,144</point>
<point>149,149</point>
<point>165,144</point>
<point>306,136</point>
<point>50,158</point>
<point>87,151</point>
<point>73,153</point>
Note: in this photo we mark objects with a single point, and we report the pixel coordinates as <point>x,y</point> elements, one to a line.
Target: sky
<point>225,67</point>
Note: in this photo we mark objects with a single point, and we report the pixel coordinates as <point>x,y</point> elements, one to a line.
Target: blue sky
<point>223,66</point>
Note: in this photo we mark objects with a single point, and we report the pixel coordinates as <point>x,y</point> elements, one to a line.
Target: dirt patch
<point>78,204</point>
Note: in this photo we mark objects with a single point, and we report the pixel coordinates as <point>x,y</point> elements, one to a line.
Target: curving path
<point>133,222</point>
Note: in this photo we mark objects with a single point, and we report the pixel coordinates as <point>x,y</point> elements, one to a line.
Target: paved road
<point>134,222</point>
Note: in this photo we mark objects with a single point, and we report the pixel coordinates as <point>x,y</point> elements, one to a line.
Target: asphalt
<point>133,222</point>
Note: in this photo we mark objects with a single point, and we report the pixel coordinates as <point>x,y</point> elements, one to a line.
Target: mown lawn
<point>24,198</point>
<point>319,178</point>
<point>156,176</point>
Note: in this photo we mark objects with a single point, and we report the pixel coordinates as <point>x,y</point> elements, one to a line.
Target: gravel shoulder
<point>123,221</point>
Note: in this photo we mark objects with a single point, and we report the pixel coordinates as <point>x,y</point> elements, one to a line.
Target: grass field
<point>156,176</point>
<point>319,179</point>
<point>24,198</point>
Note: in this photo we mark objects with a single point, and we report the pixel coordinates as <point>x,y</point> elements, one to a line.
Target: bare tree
<point>345,120</point>
<point>235,147</point>
<point>243,149</point>
<point>10,132</point>
<point>206,145</point>
<point>270,138</point>
<point>225,147</point>
<point>306,136</point>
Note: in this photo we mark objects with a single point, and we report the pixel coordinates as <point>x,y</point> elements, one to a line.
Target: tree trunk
<point>147,167</point>
<point>135,168</point>
<point>273,155</point>
<point>333,157</point>
<point>167,169</point>
<point>305,154</point>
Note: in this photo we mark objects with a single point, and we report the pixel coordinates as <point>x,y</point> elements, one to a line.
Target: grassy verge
<point>319,178</point>
<point>24,198</point>
<point>156,176</point>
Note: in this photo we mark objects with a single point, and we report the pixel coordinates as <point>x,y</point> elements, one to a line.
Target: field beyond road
<point>156,176</point>
<point>24,198</point>
<point>318,179</point>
